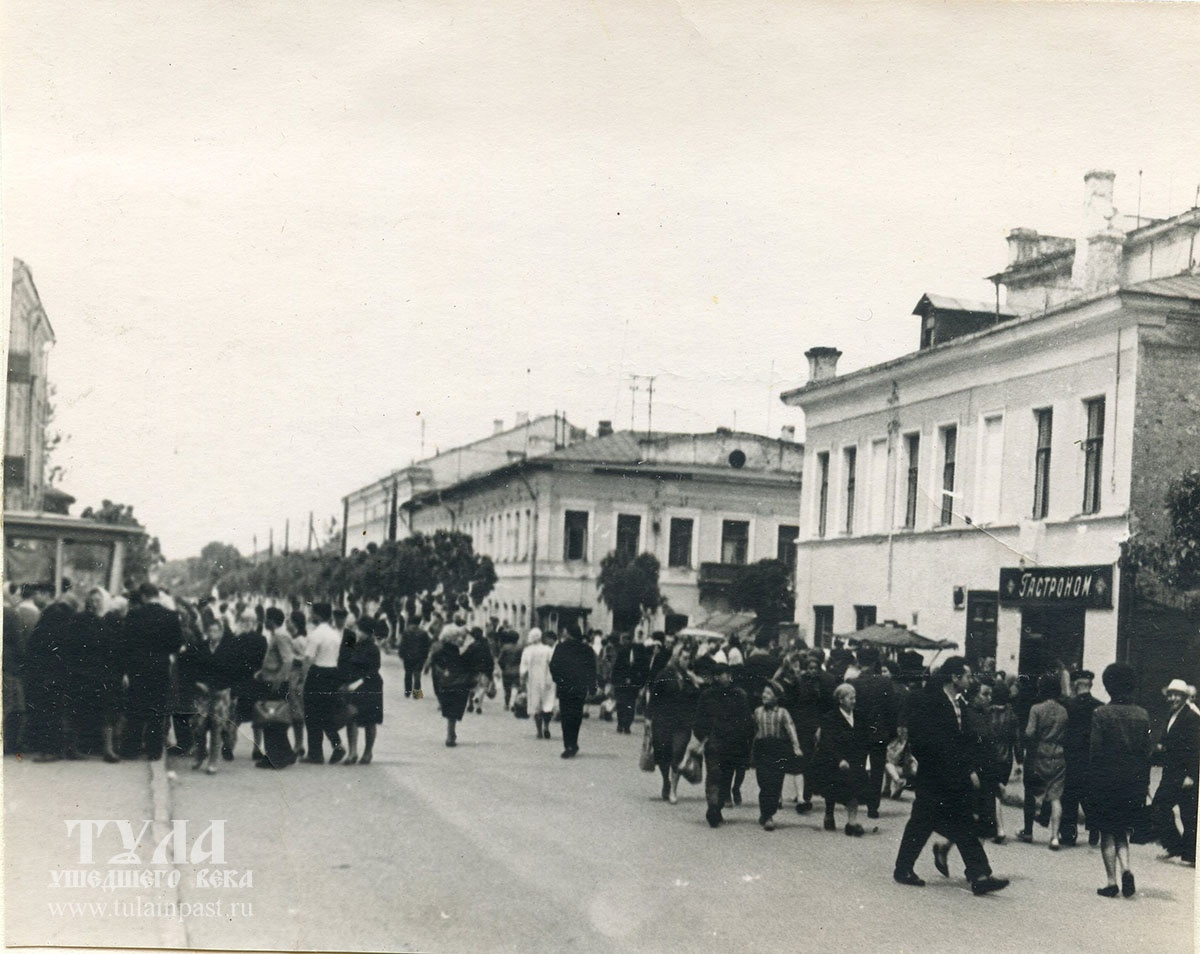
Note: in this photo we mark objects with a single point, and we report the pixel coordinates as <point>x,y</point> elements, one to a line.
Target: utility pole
<point>270,542</point>
<point>634,387</point>
<point>311,531</point>
<point>287,526</point>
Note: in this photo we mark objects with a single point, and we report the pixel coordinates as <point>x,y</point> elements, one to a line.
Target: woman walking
<point>671,710</point>
<point>1119,757</point>
<point>297,629</point>
<point>366,692</point>
<point>212,669</point>
<point>272,711</point>
<point>453,681</point>
<point>1045,761</point>
<point>841,760</point>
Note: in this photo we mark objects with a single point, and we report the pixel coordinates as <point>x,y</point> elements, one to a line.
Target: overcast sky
<point>274,237</point>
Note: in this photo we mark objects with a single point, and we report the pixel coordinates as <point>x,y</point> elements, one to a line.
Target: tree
<point>629,588</point>
<point>763,588</point>
<point>143,554</point>
<point>1166,566</point>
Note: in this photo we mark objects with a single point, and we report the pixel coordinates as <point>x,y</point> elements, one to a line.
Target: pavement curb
<point>172,932</point>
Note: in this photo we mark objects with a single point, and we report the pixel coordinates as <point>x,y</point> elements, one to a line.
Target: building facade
<point>375,513</point>
<point>980,488</point>
<point>30,338</point>
<point>700,503</point>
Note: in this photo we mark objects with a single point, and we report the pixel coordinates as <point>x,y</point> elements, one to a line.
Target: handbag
<point>646,758</point>
<point>344,710</point>
<point>272,712</point>
<point>520,705</point>
<point>1143,832</point>
<point>692,766</point>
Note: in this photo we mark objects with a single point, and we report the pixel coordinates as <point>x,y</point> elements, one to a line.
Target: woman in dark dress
<point>95,677</point>
<point>1120,774</point>
<point>48,659</point>
<point>840,763</point>
<point>366,691</point>
<point>671,709</point>
<point>453,682</point>
<point>805,699</point>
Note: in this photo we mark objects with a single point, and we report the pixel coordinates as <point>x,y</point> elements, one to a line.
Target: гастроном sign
<point>1089,587</point>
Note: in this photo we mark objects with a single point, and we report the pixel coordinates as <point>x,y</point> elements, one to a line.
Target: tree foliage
<point>629,588</point>
<point>143,555</point>
<point>763,588</point>
<point>1167,566</point>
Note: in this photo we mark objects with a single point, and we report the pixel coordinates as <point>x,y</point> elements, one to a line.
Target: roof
<point>1186,285</point>
<point>946,303</point>
<point>620,447</point>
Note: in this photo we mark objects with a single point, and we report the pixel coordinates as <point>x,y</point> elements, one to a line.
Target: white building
<point>980,488</point>
<point>700,503</point>
<point>374,513</point>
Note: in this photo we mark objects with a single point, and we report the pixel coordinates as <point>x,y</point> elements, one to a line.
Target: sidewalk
<point>57,891</point>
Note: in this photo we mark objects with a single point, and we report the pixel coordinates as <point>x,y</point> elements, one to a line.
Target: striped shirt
<point>775,723</point>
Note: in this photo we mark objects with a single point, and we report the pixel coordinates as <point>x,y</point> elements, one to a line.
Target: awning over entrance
<point>895,636</point>
<point>722,626</point>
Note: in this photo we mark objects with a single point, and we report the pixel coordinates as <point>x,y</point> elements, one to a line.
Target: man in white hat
<point>1179,754</point>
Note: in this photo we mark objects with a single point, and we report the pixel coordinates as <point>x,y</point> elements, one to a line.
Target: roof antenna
<point>1139,211</point>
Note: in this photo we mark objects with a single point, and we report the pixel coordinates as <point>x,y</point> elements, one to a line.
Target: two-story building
<point>374,513</point>
<point>981,487</point>
<point>700,503</point>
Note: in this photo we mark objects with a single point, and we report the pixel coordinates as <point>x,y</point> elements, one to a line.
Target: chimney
<point>1022,245</point>
<point>822,363</point>
<point>1100,242</point>
<point>604,428</point>
<point>522,418</point>
<point>497,425</point>
<point>787,433</point>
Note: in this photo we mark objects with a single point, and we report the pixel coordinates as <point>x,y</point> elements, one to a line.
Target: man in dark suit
<point>573,668</point>
<point>1179,755</point>
<point>877,707</point>
<point>152,634</point>
<point>629,672</point>
<point>946,778</point>
<point>1077,749</point>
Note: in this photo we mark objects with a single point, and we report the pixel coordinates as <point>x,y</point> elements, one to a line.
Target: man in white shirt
<point>321,686</point>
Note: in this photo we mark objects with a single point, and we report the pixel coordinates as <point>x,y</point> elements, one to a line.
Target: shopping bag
<point>272,712</point>
<point>692,766</point>
<point>646,758</point>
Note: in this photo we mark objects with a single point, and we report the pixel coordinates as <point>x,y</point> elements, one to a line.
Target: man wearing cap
<point>724,726</point>
<point>1178,752</point>
<point>573,667</point>
<point>1076,749</point>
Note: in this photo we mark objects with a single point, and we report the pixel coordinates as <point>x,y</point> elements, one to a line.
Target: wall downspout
<point>533,548</point>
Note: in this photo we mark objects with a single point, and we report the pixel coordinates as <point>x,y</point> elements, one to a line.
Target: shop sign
<point>1089,587</point>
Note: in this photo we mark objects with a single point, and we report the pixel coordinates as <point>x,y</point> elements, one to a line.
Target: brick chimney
<point>604,429</point>
<point>1022,245</point>
<point>822,363</point>
<point>1100,242</point>
<point>497,425</point>
<point>787,433</point>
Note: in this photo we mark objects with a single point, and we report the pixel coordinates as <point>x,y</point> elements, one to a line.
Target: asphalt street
<point>501,845</point>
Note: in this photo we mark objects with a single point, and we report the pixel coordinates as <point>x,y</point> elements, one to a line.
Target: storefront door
<point>1050,636</point>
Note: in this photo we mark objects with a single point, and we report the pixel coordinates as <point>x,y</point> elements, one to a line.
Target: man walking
<point>1179,754</point>
<point>1076,748</point>
<point>946,779</point>
<point>573,666</point>
<point>321,686</point>
<point>414,650</point>
<point>152,634</point>
<point>724,725</point>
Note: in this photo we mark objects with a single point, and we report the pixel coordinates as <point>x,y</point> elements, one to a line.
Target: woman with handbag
<point>670,712</point>
<point>272,710</point>
<point>453,681</point>
<point>365,692</point>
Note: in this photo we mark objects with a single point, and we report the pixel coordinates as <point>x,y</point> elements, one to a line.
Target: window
<point>822,493</point>
<point>822,625</point>
<point>629,533</point>
<point>864,616</point>
<point>949,453</point>
<point>1041,463</point>
<point>1093,448</point>
<point>735,541</point>
<point>877,486</point>
<point>785,551</point>
<point>991,468</point>
<point>849,462</point>
<point>912,447</point>
<point>679,551</point>
<point>575,528</point>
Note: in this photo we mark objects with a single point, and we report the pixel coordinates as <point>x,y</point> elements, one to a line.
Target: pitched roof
<point>946,303</point>
<point>1186,285</point>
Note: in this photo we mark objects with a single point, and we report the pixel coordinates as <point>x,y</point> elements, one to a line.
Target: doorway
<point>1049,636</point>
<point>982,606</point>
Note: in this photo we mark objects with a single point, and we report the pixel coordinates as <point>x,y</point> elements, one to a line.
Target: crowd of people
<point>133,676</point>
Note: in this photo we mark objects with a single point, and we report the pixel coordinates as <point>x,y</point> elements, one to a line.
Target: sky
<point>287,247</point>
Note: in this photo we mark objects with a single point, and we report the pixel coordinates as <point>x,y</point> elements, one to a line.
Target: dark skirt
<point>368,700</point>
<point>454,702</point>
<point>1113,809</point>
